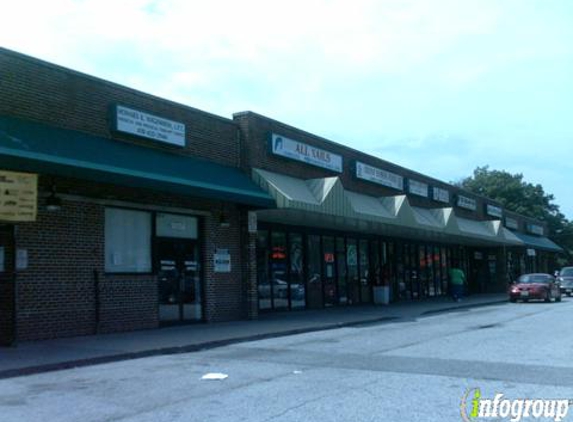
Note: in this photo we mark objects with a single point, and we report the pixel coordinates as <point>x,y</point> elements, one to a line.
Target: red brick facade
<point>65,290</point>
<point>257,129</point>
<point>57,292</point>
<point>7,328</point>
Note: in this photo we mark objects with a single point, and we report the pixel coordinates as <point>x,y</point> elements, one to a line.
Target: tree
<point>522,197</point>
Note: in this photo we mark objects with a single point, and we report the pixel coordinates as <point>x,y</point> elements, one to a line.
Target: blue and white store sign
<point>467,203</point>
<point>494,211</point>
<point>511,223</point>
<point>379,176</point>
<point>299,151</point>
<point>440,195</point>
<point>535,229</point>
<point>417,188</point>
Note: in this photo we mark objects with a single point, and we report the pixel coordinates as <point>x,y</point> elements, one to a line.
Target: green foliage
<point>522,197</point>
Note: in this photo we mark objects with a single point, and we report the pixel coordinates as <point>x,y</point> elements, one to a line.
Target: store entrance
<point>178,270</point>
<point>7,288</point>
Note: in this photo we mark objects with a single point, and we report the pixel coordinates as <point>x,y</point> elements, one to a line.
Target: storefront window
<point>279,280</point>
<point>445,270</point>
<point>127,241</point>
<point>400,290</point>
<point>341,270</point>
<point>375,263</point>
<point>296,276</point>
<point>411,271</point>
<point>431,283</point>
<point>423,278</point>
<point>314,273</point>
<point>389,264</point>
<point>330,296</point>
<point>365,283</point>
<point>264,285</point>
<point>352,266</point>
<point>437,270</point>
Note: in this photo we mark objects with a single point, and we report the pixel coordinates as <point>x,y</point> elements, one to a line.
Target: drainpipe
<point>97,301</point>
<point>14,340</point>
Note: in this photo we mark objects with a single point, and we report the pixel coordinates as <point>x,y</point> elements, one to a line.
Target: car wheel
<point>512,300</point>
<point>558,298</point>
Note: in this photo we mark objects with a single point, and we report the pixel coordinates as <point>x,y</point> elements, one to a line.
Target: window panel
<point>127,241</point>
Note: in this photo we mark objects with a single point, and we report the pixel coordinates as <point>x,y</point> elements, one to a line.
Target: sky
<point>438,86</point>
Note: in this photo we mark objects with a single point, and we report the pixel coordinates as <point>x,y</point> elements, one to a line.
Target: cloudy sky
<point>440,86</point>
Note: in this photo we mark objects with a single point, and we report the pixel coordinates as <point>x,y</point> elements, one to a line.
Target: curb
<point>462,307</point>
<point>166,351</point>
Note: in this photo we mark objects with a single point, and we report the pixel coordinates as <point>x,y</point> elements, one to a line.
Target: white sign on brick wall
<point>252,221</point>
<point>148,126</point>
<point>467,203</point>
<point>380,176</point>
<point>511,223</point>
<point>418,188</point>
<point>494,211</point>
<point>440,195</point>
<point>222,261</point>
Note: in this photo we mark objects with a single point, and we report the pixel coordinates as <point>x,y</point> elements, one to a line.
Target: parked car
<point>535,286</point>
<point>565,279</point>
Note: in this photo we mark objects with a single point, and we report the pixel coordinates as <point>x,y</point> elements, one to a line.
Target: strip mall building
<point>120,211</point>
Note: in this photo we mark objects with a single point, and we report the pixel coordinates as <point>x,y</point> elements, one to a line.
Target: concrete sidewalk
<point>50,355</point>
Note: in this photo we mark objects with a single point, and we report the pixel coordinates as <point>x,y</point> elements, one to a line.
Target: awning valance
<point>325,202</point>
<point>38,148</point>
<point>538,242</point>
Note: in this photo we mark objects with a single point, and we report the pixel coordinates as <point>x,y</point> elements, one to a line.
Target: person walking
<point>457,279</point>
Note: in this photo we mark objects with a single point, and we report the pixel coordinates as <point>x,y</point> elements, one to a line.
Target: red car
<point>535,286</point>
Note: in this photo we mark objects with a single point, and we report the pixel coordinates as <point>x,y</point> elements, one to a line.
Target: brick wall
<point>57,293</point>
<point>35,90</point>
<point>128,302</point>
<point>224,293</point>
<point>7,286</point>
<point>256,131</point>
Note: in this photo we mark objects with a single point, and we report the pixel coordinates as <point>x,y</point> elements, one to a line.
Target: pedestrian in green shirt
<point>457,280</point>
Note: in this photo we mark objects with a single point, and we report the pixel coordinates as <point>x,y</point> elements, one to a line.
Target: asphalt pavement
<point>49,355</point>
<point>412,368</point>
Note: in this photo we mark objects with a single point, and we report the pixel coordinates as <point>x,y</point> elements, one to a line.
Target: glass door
<point>180,296</point>
<point>314,273</point>
<point>352,268</point>
<point>279,271</point>
<point>341,271</point>
<point>365,275</point>
<point>296,274</point>
<point>330,296</point>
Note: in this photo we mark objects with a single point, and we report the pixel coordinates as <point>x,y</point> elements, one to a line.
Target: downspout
<point>14,340</point>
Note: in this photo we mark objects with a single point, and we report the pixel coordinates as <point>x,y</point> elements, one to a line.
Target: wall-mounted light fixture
<point>223,218</point>
<point>53,202</point>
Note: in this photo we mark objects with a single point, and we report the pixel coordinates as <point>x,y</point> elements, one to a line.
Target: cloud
<point>440,86</point>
